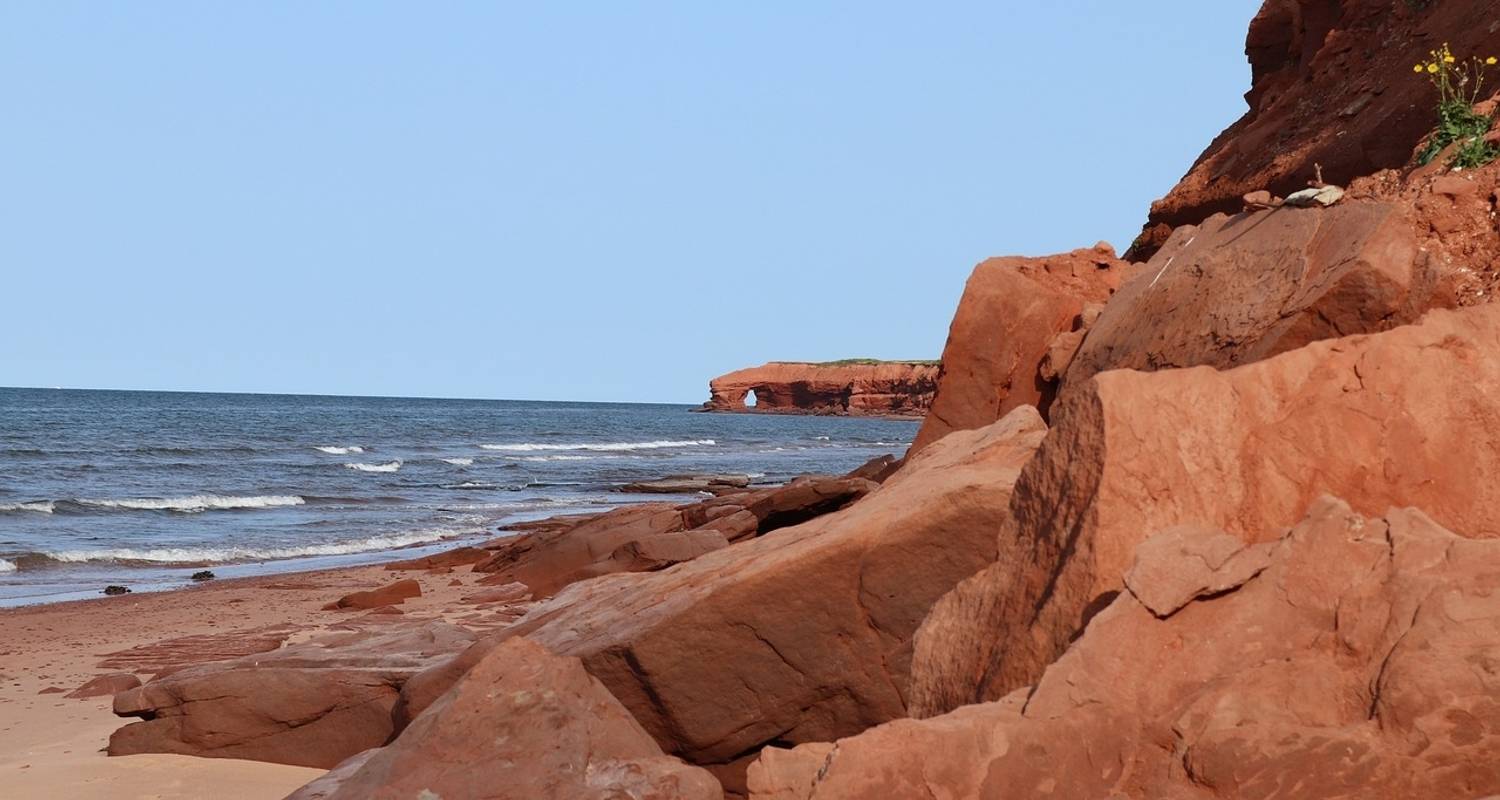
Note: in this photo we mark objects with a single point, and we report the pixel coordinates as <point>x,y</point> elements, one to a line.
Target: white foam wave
<point>527,447</point>
<point>198,502</point>
<point>339,451</point>
<point>459,462</point>
<point>42,507</point>
<point>560,458</point>
<point>391,467</point>
<point>7,566</point>
<point>220,555</point>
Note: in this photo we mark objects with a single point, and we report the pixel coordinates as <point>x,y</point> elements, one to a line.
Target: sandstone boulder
<point>1239,289</point>
<point>1011,310</point>
<point>800,635</point>
<point>388,595</point>
<point>663,551</point>
<point>548,559</point>
<point>312,704</point>
<point>523,724</point>
<point>1405,417</point>
<point>1354,664</point>
<point>110,684</point>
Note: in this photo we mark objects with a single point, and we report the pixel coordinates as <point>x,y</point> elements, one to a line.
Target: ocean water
<point>145,488</point>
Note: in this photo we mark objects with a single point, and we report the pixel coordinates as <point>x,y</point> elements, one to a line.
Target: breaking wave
<point>339,451</point>
<point>223,555</point>
<point>391,467</point>
<point>6,566</point>
<point>42,507</point>
<point>459,462</point>
<point>197,502</point>
<point>527,447</point>
<point>191,504</point>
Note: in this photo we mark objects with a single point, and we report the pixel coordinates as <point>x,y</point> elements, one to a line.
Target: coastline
<point>799,412</point>
<point>49,742</point>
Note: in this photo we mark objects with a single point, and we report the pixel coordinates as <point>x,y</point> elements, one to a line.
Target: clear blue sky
<point>603,201</point>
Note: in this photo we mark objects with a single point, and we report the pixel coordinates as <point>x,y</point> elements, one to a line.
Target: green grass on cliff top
<point>864,362</point>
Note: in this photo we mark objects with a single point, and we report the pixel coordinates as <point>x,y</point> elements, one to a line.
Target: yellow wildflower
<point>1417,68</point>
<point>1432,68</point>
<point>1490,61</point>
<point>1448,59</point>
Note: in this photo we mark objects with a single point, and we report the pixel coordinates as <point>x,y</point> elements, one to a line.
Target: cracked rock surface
<point>312,704</point>
<point>523,723</point>
<point>1011,310</point>
<point>1359,663</point>
<point>799,635</point>
<point>1401,418</point>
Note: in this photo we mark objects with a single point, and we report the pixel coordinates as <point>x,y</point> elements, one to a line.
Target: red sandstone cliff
<point>1152,593</point>
<point>1331,84</point>
<point>874,388</point>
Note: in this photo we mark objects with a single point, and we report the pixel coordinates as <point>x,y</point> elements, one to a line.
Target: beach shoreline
<point>52,746</point>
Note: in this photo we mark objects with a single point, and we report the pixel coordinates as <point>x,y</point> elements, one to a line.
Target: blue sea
<point>144,488</point>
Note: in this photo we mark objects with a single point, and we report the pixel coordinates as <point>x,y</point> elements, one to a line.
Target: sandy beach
<point>51,746</point>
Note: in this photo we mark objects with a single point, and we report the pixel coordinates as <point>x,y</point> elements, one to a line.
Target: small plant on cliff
<point>1458,83</point>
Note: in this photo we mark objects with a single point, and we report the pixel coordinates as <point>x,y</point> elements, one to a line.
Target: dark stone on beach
<point>113,590</point>
<point>204,575</point>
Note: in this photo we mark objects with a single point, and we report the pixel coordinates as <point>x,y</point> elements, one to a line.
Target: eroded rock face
<point>522,723</point>
<point>1405,417</point>
<point>1355,663</point>
<point>651,536</point>
<point>800,635</point>
<point>1331,84</point>
<point>1011,310</point>
<point>862,389</point>
<point>1239,289</point>
<point>312,704</point>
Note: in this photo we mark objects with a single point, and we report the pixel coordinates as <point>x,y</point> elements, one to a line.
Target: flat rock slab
<point>523,723</point>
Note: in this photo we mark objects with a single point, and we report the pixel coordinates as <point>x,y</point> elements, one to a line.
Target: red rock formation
<point>1239,289</point>
<point>886,388</point>
<point>1331,84</point>
<point>1406,417</point>
<point>170,655</point>
<point>389,595</point>
<point>800,635</point>
<point>1336,661</point>
<point>110,685</point>
<point>457,557</point>
<point>523,723</point>
<point>313,704</point>
<point>651,535</point>
<point>1011,310</point>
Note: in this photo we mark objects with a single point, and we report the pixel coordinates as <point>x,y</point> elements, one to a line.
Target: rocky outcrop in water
<point>857,388</point>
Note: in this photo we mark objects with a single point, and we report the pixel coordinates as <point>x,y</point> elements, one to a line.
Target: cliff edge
<point>856,387</point>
